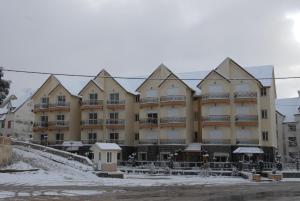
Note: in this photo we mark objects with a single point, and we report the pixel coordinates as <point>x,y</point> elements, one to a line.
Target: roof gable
<point>57,87</point>
<point>213,72</point>
<point>172,76</point>
<point>49,79</point>
<point>91,82</point>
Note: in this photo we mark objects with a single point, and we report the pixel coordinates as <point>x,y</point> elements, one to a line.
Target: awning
<point>248,150</point>
<point>193,147</point>
<point>72,148</point>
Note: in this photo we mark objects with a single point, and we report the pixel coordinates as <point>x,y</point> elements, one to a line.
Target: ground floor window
<point>164,156</point>
<point>114,137</point>
<point>92,138</point>
<point>59,138</point>
<point>221,157</point>
<point>108,157</point>
<point>44,138</point>
<point>142,156</point>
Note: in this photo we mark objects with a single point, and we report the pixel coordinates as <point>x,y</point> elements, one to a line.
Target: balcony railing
<point>172,100</point>
<point>59,106</point>
<point>246,120</point>
<point>115,123</point>
<point>250,97</point>
<point>173,122</point>
<point>216,98</point>
<point>162,141</point>
<point>216,120</point>
<point>216,141</point>
<point>41,124</point>
<point>247,141</point>
<point>148,123</point>
<point>92,123</point>
<point>58,125</point>
<point>41,107</point>
<point>149,102</point>
<point>91,104</point>
<point>115,104</point>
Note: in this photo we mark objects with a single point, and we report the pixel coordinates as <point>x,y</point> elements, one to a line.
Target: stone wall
<point>5,150</point>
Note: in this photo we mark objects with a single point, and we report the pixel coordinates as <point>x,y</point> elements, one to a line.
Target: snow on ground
<point>52,173</point>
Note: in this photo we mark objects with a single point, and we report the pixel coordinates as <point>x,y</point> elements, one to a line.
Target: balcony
<point>172,100</point>
<point>115,123</point>
<point>40,126</point>
<point>241,141</point>
<point>91,104</point>
<point>171,141</point>
<point>246,120</point>
<point>217,141</point>
<point>59,106</point>
<point>90,141</point>
<point>58,125</point>
<point>92,124</point>
<point>214,98</point>
<point>216,120</point>
<point>115,104</point>
<point>245,97</point>
<point>41,107</point>
<point>117,141</point>
<point>148,123</point>
<point>149,102</point>
<point>178,122</point>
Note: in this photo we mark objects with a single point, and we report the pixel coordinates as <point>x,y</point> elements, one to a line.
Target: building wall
<point>5,150</point>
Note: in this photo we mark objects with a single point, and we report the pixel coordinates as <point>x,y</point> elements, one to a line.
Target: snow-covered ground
<point>61,173</point>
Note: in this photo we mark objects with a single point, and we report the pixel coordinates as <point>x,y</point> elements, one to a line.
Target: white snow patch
<point>6,194</point>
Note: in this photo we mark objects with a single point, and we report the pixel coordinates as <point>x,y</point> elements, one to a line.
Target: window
<point>136,136</point>
<point>3,124</point>
<point>137,99</point>
<point>59,138</point>
<point>99,156</point>
<point>265,135</point>
<point>9,124</point>
<point>44,100</point>
<point>292,127</point>
<point>263,91</point>
<point>93,118</point>
<point>119,156</point>
<point>292,141</point>
<point>92,138</point>
<point>137,117</point>
<point>60,119</point>
<point>196,116</point>
<point>108,157</point>
<point>114,136</point>
<point>93,96</point>
<point>61,100</point>
<point>44,138</point>
<point>114,98</point>
<point>142,156</point>
<point>164,156</point>
<point>264,114</point>
<point>114,115</point>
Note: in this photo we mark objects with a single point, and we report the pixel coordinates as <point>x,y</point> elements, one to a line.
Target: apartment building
<point>288,126</point>
<point>56,113</point>
<point>217,111</point>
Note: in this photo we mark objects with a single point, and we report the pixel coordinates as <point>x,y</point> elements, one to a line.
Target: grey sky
<point>132,37</point>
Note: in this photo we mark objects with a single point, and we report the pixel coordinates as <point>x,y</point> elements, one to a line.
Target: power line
<point>143,78</point>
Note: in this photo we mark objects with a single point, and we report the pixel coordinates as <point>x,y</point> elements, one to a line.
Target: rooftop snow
<point>288,107</point>
<point>248,150</point>
<point>73,84</point>
<point>193,147</point>
<point>262,72</point>
<point>108,146</point>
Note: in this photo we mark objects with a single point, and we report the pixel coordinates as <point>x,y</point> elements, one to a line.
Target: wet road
<point>276,191</point>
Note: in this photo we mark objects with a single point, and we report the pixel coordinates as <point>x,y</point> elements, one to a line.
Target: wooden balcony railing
<point>173,122</point>
<point>91,104</point>
<point>40,126</point>
<point>115,104</point>
<point>58,125</point>
<point>148,123</point>
<point>245,97</point>
<point>215,98</point>
<point>149,102</point>
<point>41,107</point>
<point>172,100</point>
<point>91,124</point>
<point>246,120</point>
<point>216,120</point>
<point>59,106</point>
<point>115,123</point>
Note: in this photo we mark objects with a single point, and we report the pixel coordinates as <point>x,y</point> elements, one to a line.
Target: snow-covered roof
<point>260,72</point>
<point>131,84</point>
<point>193,147</point>
<point>108,146</point>
<point>73,84</point>
<point>288,107</point>
<point>195,76</point>
<point>248,150</point>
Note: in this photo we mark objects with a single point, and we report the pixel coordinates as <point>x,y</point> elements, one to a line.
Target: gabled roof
<point>288,107</point>
<point>90,82</point>
<point>159,67</point>
<point>210,73</point>
<point>177,78</point>
<point>50,77</point>
<point>60,85</point>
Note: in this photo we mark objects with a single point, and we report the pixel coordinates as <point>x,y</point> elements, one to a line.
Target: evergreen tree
<point>4,87</point>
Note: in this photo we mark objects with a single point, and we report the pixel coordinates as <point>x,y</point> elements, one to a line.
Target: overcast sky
<point>132,37</point>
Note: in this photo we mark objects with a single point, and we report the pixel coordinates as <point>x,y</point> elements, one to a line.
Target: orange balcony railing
<point>115,123</point>
<point>213,98</point>
<point>59,106</point>
<point>216,120</point>
<point>149,102</point>
<point>91,104</point>
<point>246,120</point>
<point>148,123</point>
<point>115,104</point>
<point>58,125</point>
<point>245,97</point>
<point>91,124</point>
<point>172,100</point>
<point>172,122</point>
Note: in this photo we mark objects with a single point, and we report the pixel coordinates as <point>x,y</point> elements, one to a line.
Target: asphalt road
<point>275,191</point>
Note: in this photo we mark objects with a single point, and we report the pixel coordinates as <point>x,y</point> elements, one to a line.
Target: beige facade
<point>5,151</point>
<point>57,114</point>
<point>164,113</point>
